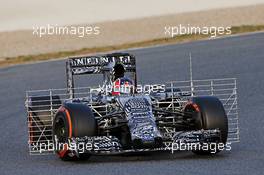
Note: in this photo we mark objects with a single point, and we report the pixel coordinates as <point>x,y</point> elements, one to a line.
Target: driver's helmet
<point>122,86</point>
<point>118,70</point>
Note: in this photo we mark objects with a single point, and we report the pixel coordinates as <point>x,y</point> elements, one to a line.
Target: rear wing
<point>96,65</point>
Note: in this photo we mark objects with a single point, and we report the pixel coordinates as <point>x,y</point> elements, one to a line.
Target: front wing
<point>112,145</point>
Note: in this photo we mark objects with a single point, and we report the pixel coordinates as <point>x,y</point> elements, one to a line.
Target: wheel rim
<point>60,130</point>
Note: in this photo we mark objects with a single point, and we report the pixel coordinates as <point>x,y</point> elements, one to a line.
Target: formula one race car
<point>120,116</point>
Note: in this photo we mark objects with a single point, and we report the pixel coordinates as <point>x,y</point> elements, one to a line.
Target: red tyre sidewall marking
<point>195,106</point>
<point>65,150</point>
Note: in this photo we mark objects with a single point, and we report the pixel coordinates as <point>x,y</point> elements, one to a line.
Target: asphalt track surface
<point>241,57</point>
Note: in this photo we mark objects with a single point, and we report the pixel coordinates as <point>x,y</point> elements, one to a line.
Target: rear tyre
<point>211,116</point>
<point>73,120</point>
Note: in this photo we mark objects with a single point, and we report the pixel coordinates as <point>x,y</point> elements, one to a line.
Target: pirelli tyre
<point>212,115</point>
<point>73,120</point>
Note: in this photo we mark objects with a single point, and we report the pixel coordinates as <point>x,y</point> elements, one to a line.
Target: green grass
<point>178,39</point>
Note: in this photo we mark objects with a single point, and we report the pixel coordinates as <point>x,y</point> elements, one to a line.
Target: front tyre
<point>211,116</point>
<point>73,120</point>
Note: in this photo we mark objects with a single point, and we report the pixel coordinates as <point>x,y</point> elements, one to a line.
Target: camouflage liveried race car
<point>120,116</point>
